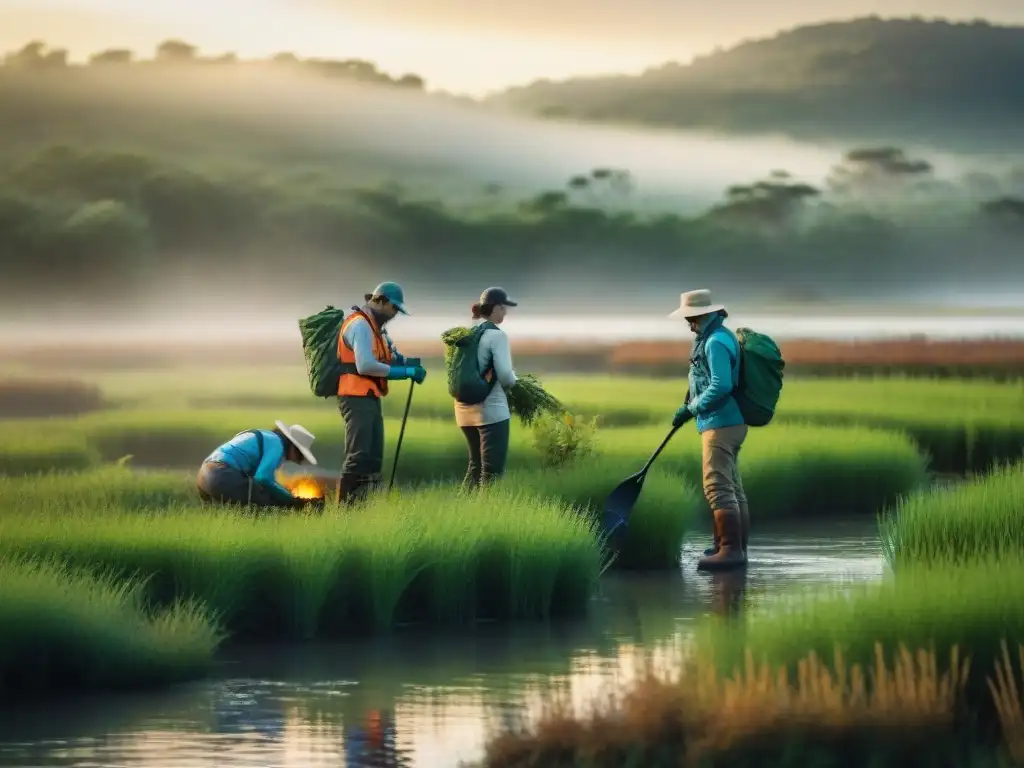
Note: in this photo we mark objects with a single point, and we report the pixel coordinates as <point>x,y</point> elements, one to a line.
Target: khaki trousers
<point>723,486</point>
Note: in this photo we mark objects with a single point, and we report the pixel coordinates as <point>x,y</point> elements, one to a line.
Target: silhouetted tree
<point>175,51</point>
<point>1007,210</point>
<point>875,169</point>
<point>766,205</point>
<point>37,56</point>
<point>412,82</point>
<point>112,56</point>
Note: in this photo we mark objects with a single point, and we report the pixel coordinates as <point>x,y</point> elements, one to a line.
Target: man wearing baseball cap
<point>369,361</point>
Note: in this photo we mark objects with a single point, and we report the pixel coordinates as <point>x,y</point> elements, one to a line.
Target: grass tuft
<point>65,628</point>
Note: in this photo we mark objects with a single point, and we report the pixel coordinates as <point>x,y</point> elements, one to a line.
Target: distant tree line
<point>37,56</point>
<point>96,223</point>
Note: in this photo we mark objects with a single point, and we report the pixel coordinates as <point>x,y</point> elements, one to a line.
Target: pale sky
<point>466,46</point>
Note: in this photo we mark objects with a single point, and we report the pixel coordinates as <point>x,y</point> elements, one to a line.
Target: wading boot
<point>744,535</point>
<point>715,544</point>
<point>730,554</point>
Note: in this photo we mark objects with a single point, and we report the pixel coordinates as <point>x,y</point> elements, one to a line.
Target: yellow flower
<point>569,419</point>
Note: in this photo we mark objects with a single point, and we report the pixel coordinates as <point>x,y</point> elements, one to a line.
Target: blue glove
<point>682,416</point>
<point>400,372</point>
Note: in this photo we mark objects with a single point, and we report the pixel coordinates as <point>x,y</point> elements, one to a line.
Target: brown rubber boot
<point>730,552</point>
<point>715,544</point>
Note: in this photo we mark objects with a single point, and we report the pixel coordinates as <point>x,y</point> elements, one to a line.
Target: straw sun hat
<point>695,304</point>
<point>300,437</point>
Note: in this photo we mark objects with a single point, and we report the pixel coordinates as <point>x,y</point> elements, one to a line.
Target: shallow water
<point>437,693</point>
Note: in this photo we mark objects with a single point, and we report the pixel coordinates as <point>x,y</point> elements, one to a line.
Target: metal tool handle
<point>661,447</point>
<point>401,434</point>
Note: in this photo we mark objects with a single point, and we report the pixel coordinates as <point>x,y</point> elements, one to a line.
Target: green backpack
<point>320,348</point>
<point>760,383</point>
<point>466,382</point>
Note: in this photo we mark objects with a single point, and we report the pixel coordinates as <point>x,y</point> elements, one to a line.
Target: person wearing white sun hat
<point>243,470</point>
<point>714,375</point>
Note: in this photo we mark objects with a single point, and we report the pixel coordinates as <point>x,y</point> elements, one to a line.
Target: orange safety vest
<point>354,384</point>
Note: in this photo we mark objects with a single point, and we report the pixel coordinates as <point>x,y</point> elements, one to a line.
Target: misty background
<point>211,188</point>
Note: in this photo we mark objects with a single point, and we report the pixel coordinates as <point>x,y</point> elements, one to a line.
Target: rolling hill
<point>951,86</point>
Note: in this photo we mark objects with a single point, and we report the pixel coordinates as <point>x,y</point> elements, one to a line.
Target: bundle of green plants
<point>64,628</point>
<point>562,439</point>
<point>981,517</point>
<point>424,556</point>
<point>527,399</point>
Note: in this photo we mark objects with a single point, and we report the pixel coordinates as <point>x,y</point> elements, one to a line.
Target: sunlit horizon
<point>471,54</point>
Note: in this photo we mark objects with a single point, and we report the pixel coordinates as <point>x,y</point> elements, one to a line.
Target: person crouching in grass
<point>243,470</point>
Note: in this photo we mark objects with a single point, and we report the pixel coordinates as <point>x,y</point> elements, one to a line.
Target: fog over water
<point>582,328</point>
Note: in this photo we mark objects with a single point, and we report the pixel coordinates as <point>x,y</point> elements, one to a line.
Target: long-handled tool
<point>620,502</point>
<point>401,432</point>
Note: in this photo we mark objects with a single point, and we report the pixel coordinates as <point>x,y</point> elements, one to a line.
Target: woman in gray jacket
<point>486,424</point>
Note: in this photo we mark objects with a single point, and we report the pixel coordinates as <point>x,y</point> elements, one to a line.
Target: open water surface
<point>433,695</point>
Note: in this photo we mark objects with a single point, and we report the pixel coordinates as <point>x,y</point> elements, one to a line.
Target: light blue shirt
<point>359,338</point>
<point>242,453</point>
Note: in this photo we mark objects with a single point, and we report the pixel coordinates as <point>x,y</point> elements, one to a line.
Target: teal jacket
<point>714,374</point>
<point>242,453</point>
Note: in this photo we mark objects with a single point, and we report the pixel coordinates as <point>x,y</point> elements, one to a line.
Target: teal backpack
<point>760,384</point>
<point>466,382</point>
<point>320,349</point>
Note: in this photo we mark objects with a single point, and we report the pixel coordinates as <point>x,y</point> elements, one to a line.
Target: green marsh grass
<point>27,448</point>
<point>95,491</point>
<point>64,628</point>
<point>974,607</point>
<point>665,512</point>
<point>963,425</point>
<point>430,556</point>
<point>668,507</point>
<point>792,471</point>
<point>788,470</point>
<point>982,517</point>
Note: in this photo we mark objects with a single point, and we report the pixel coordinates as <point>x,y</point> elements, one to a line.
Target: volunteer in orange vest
<point>369,361</point>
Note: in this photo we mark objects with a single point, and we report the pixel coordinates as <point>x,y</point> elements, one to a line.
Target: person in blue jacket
<point>714,375</point>
<point>242,470</point>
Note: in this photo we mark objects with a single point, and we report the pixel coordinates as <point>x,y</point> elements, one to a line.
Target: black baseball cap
<point>496,297</point>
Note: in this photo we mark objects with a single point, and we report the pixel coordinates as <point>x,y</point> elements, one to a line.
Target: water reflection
<point>425,699</point>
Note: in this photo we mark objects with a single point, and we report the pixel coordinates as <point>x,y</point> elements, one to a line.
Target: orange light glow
<point>306,488</point>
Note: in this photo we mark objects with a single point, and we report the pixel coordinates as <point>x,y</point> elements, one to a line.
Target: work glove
<point>682,416</point>
<point>400,372</point>
<point>419,374</point>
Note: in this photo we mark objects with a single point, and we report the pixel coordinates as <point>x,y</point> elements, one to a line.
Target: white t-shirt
<point>494,350</point>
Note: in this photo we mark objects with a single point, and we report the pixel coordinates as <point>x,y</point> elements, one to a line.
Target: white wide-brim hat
<point>300,437</point>
<point>695,304</point>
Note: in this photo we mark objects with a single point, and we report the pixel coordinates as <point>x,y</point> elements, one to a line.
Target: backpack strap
<point>259,448</point>
<point>487,325</point>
